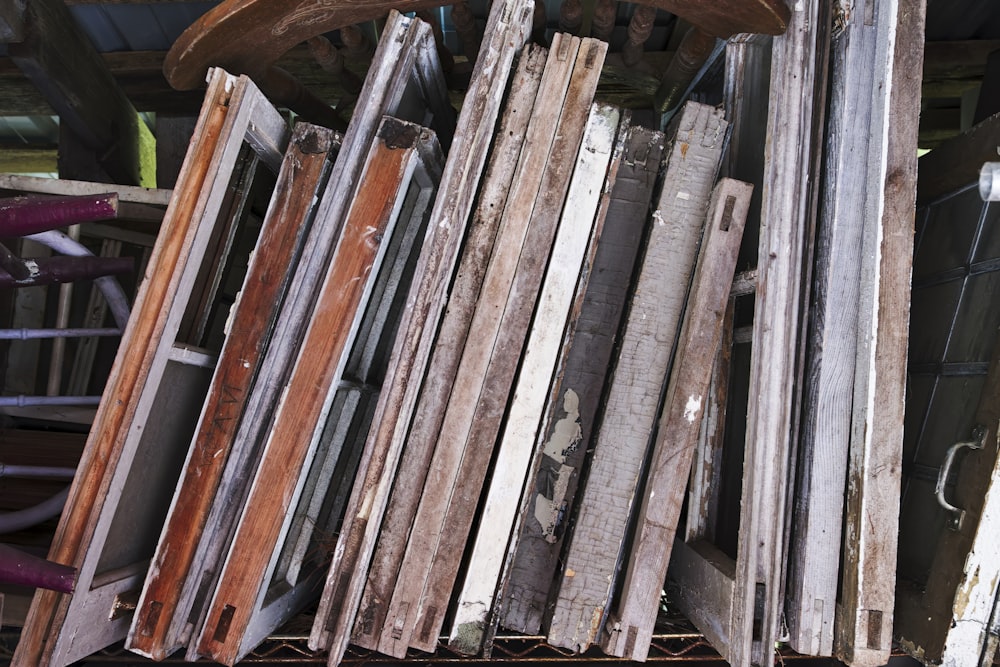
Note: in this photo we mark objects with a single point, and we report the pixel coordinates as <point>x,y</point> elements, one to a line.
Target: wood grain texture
<point>454,328</point>
<point>155,632</point>
<point>702,583</point>
<point>496,337</point>
<point>507,31</point>
<point>864,619</point>
<point>629,630</point>
<point>334,323</point>
<point>587,357</point>
<point>124,527</point>
<point>787,209</point>
<point>388,89</point>
<point>814,563</point>
<point>588,576</point>
<point>498,522</point>
<point>128,373</point>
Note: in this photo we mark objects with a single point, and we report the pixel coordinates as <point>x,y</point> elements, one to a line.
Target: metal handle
<point>956,514</point>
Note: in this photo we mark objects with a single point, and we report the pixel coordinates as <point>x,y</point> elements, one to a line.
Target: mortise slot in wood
<point>760,599</point>
<point>727,213</point>
<point>874,629</point>
<point>222,627</point>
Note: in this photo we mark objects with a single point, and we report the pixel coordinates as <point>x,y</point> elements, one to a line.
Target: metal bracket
<point>956,514</point>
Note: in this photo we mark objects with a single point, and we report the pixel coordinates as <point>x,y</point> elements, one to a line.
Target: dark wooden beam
<point>64,66</point>
<point>11,21</point>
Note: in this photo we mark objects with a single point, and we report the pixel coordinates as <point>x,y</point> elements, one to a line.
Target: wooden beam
<point>28,160</point>
<point>62,63</point>
<point>12,21</point>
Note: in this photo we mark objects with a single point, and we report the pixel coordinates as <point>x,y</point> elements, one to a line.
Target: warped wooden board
<point>587,580</point>
<point>871,532</point>
<point>114,510</point>
<point>797,89</point>
<point>576,238</point>
<point>454,328</point>
<point>507,30</point>
<point>298,421</point>
<point>586,357</point>
<point>394,86</point>
<point>496,336</point>
<point>629,628</point>
<point>157,629</point>
<point>814,562</point>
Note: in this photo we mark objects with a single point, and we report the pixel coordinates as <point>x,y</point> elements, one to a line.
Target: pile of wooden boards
<point>457,395</point>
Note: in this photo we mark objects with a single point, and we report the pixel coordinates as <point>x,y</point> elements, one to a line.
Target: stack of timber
<point>480,364</point>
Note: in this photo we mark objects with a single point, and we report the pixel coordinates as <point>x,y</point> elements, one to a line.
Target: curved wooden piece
<point>247,36</point>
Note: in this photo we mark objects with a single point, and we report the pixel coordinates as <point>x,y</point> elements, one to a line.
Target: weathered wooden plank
<point>582,373</point>
<point>292,438</point>
<point>129,373</point>
<point>629,629</point>
<point>507,30</point>
<point>63,64</point>
<point>157,629</point>
<point>588,577</point>
<point>498,523</point>
<point>479,391</point>
<point>788,206</point>
<point>814,562</point>
<point>865,611</point>
<point>478,247</point>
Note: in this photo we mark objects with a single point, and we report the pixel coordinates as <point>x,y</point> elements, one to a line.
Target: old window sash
<point>507,30</point>
<point>158,378</point>
<point>162,623</point>
<point>244,606</point>
<point>737,603</point>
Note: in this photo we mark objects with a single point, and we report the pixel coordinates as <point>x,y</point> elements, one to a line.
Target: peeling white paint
<point>692,409</point>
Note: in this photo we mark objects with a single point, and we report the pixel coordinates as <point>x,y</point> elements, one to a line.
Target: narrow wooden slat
<point>333,325</point>
<point>864,619</point>
<point>630,628</point>
<point>498,523</point>
<point>157,629</point>
<point>702,582</point>
<point>588,577</point>
<point>496,335</point>
<point>454,328</point>
<point>583,370</point>
<point>129,371</point>
<point>507,30</point>
<point>787,209</point>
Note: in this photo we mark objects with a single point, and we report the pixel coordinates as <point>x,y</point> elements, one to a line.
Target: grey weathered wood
<point>478,247</point>
<point>702,579</point>
<point>588,577</point>
<point>499,517</point>
<point>629,628</point>
<point>865,612</point>
<point>479,395</point>
<point>814,563</point>
<point>583,371</point>
<point>788,200</point>
<point>507,30</point>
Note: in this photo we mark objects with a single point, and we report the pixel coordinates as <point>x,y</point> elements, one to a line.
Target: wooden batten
<point>629,629</point>
<point>507,30</point>
<point>478,247</point>
<point>498,523</point>
<point>587,579</point>
<point>586,357</point>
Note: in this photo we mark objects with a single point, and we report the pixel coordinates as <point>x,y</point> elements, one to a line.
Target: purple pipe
<point>17,567</point>
<point>61,269</point>
<point>24,215</point>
